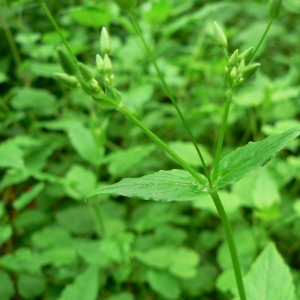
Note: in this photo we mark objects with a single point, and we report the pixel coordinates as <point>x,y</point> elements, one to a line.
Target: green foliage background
<point>57,145</point>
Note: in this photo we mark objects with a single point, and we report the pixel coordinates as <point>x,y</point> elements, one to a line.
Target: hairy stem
<point>231,244</point>
<point>169,93</point>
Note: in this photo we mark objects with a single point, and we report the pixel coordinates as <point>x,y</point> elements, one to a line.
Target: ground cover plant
<point>161,65</point>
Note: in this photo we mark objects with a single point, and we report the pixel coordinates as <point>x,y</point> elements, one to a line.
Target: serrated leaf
<point>252,156</point>
<point>174,185</point>
<point>269,277</point>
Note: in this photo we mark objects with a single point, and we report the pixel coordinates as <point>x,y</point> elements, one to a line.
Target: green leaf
<point>6,286</point>
<point>27,197</point>
<point>6,232</point>
<point>122,161</point>
<point>39,99</point>
<point>30,286</point>
<point>187,151</point>
<point>174,185</point>
<point>85,286</point>
<point>51,236</point>
<point>159,257</point>
<point>11,156</point>
<point>254,155</point>
<point>23,260</point>
<point>164,283</point>
<point>79,181</point>
<point>121,296</point>
<point>184,263</point>
<point>269,277</point>
<point>92,15</point>
<point>76,219</point>
<point>84,143</point>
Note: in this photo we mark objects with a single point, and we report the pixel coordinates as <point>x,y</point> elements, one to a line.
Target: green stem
<point>52,20</point>
<point>162,145</point>
<point>222,134</point>
<point>169,94</point>
<point>95,213</point>
<point>231,244</point>
<point>262,39</point>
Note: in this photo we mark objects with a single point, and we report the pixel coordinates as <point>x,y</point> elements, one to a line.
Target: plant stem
<point>95,213</point>
<point>229,93</point>
<point>231,244</point>
<point>162,145</point>
<point>261,39</point>
<point>169,93</point>
<point>52,20</point>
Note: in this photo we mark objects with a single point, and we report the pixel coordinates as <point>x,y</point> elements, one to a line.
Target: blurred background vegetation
<point>57,145</point>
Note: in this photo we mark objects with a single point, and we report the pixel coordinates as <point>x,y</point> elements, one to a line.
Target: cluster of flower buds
<point>80,75</point>
<point>103,62</point>
<point>239,69</point>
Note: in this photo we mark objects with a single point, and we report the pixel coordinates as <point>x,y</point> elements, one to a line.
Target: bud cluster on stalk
<point>80,75</point>
<point>239,69</point>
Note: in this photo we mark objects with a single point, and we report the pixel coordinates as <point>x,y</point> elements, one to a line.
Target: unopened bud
<point>67,80</point>
<point>85,72</point>
<point>99,63</point>
<point>220,37</point>
<point>105,45</point>
<point>66,62</point>
<point>107,65</point>
<point>110,80</point>
<point>274,8</point>
<point>92,88</point>
<point>246,55</point>
<point>233,60</point>
<point>249,70</point>
<point>233,73</point>
<point>241,66</point>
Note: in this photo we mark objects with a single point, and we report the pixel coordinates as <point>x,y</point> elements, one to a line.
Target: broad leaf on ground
<point>269,277</point>
<point>174,185</point>
<point>252,156</point>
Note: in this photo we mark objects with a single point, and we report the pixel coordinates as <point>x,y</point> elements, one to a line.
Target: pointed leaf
<point>174,185</point>
<point>269,277</point>
<point>252,156</point>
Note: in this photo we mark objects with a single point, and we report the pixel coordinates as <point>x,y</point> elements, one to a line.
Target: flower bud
<point>85,72</point>
<point>92,88</point>
<point>220,37</point>
<point>66,62</point>
<point>233,73</point>
<point>246,55</point>
<point>67,80</point>
<point>241,66</point>
<point>249,70</point>
<point>105,45</point>
<point>274,8</point>
<point>107,65</point>
<point>233,60</point>
<point>99,63</point>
